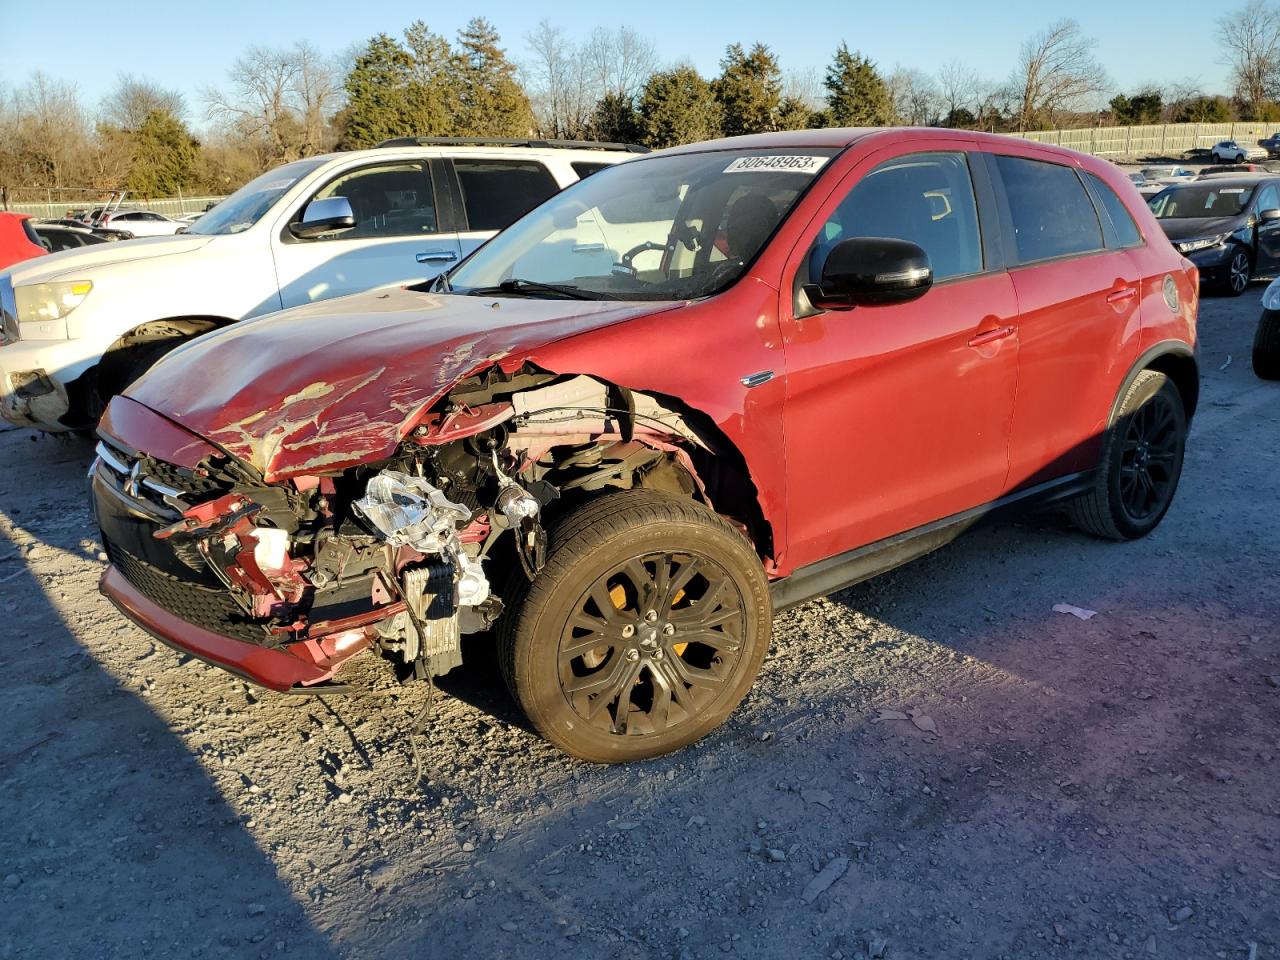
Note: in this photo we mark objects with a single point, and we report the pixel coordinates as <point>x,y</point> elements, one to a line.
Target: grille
<point>202,606</point>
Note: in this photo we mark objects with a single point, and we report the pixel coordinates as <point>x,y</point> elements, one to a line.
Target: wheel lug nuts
<point>658,654</point>
<point>651,616</point>
<point>633,654</point>
<point>628,631</point>
<point>669,630</point>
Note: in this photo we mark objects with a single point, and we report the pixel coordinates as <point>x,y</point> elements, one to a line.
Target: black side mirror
<point>1269,215</point>
<point>330,215</point>
<point>871,272</point>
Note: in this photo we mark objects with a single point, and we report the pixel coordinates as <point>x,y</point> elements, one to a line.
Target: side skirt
<point>846,569</point>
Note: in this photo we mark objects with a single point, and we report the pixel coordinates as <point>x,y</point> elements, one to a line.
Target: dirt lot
<point>1100,788</point>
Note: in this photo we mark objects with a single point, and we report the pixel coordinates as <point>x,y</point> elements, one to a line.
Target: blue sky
<point>178,47</point>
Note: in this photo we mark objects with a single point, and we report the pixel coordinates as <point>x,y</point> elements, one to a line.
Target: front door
<point>1268,256</point>
<point>900,415</point>
<point>396,239</point>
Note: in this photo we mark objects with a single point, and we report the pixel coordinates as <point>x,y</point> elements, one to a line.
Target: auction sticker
<point>783,164</point>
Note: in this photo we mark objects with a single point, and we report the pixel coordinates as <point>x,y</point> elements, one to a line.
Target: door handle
<point>436,256</point>
<point>991,336</point>
<point>1123,295</point>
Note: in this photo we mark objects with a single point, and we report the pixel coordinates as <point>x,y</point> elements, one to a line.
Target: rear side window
<point>1125,232</point>
<point>496,193</point>
<point>1051,212</point>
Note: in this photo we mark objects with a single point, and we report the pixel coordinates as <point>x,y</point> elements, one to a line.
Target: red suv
<point>687,392</point>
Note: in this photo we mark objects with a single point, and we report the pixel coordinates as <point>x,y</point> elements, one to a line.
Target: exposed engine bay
<point>407,555</point>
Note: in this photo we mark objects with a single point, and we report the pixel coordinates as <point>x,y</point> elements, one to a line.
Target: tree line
<point>280,104</point>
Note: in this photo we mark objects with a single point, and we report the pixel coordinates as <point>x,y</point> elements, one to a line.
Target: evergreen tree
<point>491,102</point>
<point>749,89</point>
<point>432,94</point>
<point>164,156</point>
<point>1144,107</point>
<point>677,106</point>
<point>615,120</point>
<point>857,96</point>
<point>378,105</point>
<point>794,114</point>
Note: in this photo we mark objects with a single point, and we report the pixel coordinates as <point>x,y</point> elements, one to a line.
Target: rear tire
<point>643,632</point>
<point>1141,463</point>
<point>1266,347</point>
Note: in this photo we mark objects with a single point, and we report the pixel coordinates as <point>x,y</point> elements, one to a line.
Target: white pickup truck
<point>79,326</point>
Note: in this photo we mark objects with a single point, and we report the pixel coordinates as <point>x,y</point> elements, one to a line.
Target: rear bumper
<point>277,669</point>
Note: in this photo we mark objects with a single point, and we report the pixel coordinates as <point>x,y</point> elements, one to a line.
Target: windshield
<point>1200,201</point>
<point>245,207</point>
<point>663,228</point>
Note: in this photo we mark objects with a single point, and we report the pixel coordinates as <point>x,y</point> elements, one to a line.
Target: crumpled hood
<point>340,382</point>
<point>79,263</point>
<point>1194,228</point>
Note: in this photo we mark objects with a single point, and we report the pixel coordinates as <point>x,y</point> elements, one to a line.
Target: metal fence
<point>173,207</point>
<point>1168,139</point>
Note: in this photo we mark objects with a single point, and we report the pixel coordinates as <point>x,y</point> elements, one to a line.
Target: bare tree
<point>279,100</point>
<point>557,82</point>
<point>128,105</point>
<point>1056,72</point>
<point>804,86</point>
<point>915,96</point>
<point>958,88</point>
<point>619,61</point>
<point>1250,41</point>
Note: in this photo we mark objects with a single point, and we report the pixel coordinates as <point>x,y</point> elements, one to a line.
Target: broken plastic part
<point>409,511</point>
<point>272,550</point>
<point>473,585</point>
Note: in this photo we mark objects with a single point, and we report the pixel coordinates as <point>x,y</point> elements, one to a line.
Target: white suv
<point>1233,151</point>
<point>79,326</point>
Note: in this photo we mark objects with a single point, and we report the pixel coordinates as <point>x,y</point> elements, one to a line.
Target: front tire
<point>1141,462</point>
<point>643,632</point>
<point>1266,347</point>
<point>1239,273</point>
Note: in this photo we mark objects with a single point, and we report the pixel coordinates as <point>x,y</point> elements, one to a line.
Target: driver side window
<point>394,200</point>
<point>1268,200</point>
<point>926,198</point>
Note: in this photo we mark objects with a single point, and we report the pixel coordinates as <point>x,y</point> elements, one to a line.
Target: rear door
<point>1078,290</point>
<point>398,237</point>
<point>494,193</point>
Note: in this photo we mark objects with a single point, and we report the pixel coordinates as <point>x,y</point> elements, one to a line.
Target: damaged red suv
<point>685,393</point>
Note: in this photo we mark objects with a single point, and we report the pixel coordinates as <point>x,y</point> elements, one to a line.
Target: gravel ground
<point>934,764</point>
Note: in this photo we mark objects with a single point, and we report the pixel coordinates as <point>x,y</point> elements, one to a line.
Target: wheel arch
<point>1177,361</point>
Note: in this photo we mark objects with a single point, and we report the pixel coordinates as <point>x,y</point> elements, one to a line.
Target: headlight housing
<point>1271,296</point>
<point>1204,243</point>
<point>46,302</point>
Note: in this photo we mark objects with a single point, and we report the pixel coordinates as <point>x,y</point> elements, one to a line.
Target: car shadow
<point>117,841</point>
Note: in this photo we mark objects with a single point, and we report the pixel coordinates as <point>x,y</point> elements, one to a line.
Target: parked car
<point>1235,151</point>
<point>56,237</point>
<point>537,443</point>
<point>1271,144</point>
<point>1229,227</point>
<point>1266,341</point>
<point>306,231</point>
<point>18,241</point>
<point>1167,174</point>
<point>140,223</point>
<point>1230,169</point>
<point>1146,188</point>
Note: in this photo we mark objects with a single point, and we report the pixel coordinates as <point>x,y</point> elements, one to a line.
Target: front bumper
<point>34,379</point>
<point>279,669</point>
<point>1214,263</point>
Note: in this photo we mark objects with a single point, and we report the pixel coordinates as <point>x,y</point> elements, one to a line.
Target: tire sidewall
<point>1142,390</point>
<point>544,614</point>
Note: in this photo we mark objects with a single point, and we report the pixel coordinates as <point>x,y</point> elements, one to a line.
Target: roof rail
<point>510,142</point>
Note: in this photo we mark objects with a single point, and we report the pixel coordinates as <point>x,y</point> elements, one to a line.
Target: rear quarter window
<point>1051,211</point>
<point>1124,232</point>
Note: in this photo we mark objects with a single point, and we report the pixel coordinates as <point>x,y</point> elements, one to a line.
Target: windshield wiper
<point>517,285</point>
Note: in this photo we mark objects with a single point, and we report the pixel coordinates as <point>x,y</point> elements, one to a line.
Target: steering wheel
<point>634,252</point>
